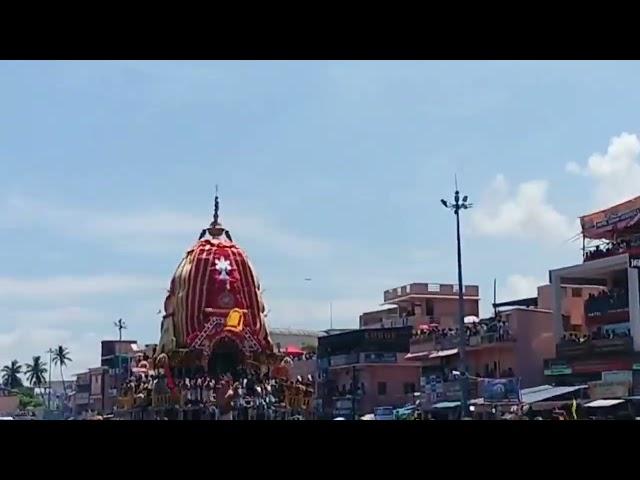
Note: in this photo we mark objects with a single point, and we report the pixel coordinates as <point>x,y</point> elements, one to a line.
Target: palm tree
<point>11,375</point>
<point>35,372</point>
<point>61,357</point>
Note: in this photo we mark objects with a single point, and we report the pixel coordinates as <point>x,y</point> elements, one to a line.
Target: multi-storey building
<point>609,339</point>
<point>419,304</point>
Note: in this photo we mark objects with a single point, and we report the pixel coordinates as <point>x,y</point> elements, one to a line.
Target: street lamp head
<point>444,203</point>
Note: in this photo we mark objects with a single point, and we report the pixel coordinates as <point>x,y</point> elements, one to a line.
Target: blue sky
<point>329,170</point>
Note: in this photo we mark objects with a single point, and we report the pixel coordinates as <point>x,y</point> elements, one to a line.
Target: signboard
<point>597,366</point>
<point>395,339</point>
<point>500,389</point>
<point>558,371</point>
<point>451,391</point>
<point>634,261</point>
<point>606,345</point>
<point>342,360</point>
<point>379,357</point>
<point>598,390</point>
<point>572,349</point>
<point>613,345</point>
<point>602,224</point>
<point>82,398</point>
<point>618,376</point>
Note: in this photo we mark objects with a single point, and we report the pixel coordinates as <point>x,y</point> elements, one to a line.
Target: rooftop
<point>296,331</point>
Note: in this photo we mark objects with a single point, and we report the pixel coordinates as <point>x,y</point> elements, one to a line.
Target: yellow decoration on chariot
<point>235,320</point>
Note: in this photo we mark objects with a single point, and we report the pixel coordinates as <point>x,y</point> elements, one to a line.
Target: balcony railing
<point>453,341</point>
<point>436,289</point>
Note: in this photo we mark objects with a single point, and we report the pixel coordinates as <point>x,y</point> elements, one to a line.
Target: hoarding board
<point>598,390</point>
<point>500,389</point>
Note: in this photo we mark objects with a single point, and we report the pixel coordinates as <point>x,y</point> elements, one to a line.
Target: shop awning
<point>603,403</point>
<point>539,394</point>
<point>429,355</point>
<point>445,405</point>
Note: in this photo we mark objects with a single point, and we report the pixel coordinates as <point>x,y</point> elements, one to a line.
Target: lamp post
<point>120,325</point>
<point>51,351</point>
<point>457,205</point>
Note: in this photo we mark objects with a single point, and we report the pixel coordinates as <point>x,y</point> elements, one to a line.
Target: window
<point>429,308</point>
<point>382,388</point>
<point>409,388</point>
<point>576,292</point>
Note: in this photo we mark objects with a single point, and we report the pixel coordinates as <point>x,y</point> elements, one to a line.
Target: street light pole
<point>456,206</point>
<point>50,352</point>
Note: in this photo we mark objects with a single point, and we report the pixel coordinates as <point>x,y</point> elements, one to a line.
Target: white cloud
<point>65,286</point>
<point>525,213</point>
<point>616,173</point>
<point>153,231</point>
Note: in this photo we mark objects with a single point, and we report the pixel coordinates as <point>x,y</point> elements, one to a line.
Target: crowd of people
<point>606,301</point>
<point>247,395</point>
<point>598,334</point>
<point>611,248</point>
<point>498,331</point>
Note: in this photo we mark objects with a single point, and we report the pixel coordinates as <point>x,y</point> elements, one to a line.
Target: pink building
<point>418,304</point>
<point>9,402</point>
<point>527,339</point>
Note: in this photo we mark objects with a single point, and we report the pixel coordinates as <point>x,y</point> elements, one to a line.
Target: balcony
<point>632,247</point>
<point>429,289</point>
<point>453,341</point>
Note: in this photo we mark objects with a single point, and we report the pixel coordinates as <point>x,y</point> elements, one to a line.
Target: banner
<point>598,390</point>
<point>618,376</point>
<point>604,223</point>
<point>500,389</point>
<point>379,357</point>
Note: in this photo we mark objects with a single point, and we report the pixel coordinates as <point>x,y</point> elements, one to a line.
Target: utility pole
<point>120,325</point>
<point>51,351</point>
<point>457,205</point>
<point>354,392</point>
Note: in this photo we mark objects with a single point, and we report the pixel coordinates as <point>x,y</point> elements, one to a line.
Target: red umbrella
<point>293,350</point>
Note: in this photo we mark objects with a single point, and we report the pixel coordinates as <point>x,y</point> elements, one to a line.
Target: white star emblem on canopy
<point>224,267</point>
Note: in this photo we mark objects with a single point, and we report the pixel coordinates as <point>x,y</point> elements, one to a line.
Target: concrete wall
<point>285,340</point>
<point>9,405</point>
<point>395,376</point>
<point>573,307</point>
<point>533,329</point>
<point>446,310</point>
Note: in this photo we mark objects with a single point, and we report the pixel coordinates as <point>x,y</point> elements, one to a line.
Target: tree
<point>11,375</point>
<point>35,372</point>
<point>61,358</point>
<point>28,400</point>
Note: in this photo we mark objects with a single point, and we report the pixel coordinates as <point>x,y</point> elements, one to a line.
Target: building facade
<point>609,340</point>
<point>362,369</point>
<point>419,304</point>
